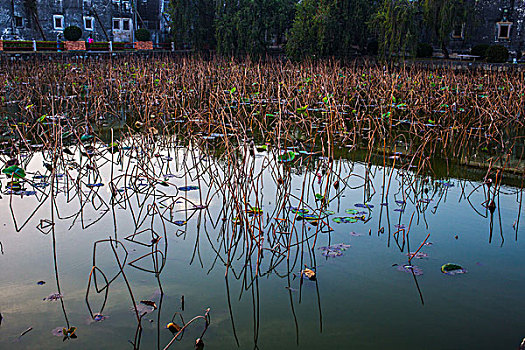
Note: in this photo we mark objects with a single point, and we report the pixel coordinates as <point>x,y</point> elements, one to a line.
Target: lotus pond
<point>269,206</point>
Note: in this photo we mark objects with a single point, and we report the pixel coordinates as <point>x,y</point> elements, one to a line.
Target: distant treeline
<point>306,28</point>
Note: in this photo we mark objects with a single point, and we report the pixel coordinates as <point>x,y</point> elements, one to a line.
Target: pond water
<point>208,252</point>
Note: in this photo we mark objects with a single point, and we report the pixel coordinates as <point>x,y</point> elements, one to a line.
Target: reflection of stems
<point>230,309</point>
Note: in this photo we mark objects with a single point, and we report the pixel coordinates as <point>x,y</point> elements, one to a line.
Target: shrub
<point>72,33</point>
<point>142,34</point>
<point>480,50</point>
<point>424,50</point>
<point>497,54</point>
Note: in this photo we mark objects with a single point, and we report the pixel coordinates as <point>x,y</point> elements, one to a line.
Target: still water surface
<point>360,299</point>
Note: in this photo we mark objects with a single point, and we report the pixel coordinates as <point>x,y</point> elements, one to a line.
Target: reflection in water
<point>255,215</point>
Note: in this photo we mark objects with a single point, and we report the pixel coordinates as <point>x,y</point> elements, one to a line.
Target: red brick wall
<point>75,45</point>
<point>143,45</point>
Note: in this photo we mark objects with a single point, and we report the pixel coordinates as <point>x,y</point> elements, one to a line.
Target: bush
<point>480,50</point>
<point>497,54</point>
<point>72,33</point>
<point>142,34</point>
<point>424,50</point>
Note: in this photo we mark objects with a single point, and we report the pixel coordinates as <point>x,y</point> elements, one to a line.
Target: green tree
<point>192,23</point>
<point>308,33</point>
<point>442,16</point>
<point>396,27</point>
<point>248,26</point>
<point>329,27</point>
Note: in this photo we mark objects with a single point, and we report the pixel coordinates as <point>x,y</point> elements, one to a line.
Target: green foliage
<point>72,33</point>
<point>497,54</point>
<point>308,33</point>
<point>424,50</point>
<point>442,16</point>
<point>480,50</point>
<point>248,26</point>
<point>142,34</point>
<point>193,23</point>
<point>395,25</point>
<point>329,27</point>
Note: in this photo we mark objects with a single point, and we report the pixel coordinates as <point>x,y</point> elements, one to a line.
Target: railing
<point>101,46</point>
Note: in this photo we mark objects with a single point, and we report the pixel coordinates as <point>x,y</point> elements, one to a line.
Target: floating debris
<point>418,255</point>
<point>150,303</point>
<point>53,297</point>
<point>334,250</point>
<point>58,332</point>
<point>69,332</point>
<point>410,269</point>
<point>173,327</point>
<point>99,317</point>
<point>310,274</point>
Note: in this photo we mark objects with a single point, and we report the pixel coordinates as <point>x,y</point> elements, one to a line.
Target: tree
<point>308,33</point>
<point>192,23</point>
<point>329,27</point>
<point>248,26</point>
<point>395,25</point>
<point>442,16</point>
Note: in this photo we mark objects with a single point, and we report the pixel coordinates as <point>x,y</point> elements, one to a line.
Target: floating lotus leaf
<point>297,210</point>
<point>188,188</point>
<point>364,205</point>
<point>254,210</point>
<point>345,220</point>
<point>286,157</point>
<point>86,138</point>
<point>452,269</point>
<point>319,197</point>
<point>15,171</point>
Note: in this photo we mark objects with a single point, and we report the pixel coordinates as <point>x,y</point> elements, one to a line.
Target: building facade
<point>495,22</point>
<point>103,20</point>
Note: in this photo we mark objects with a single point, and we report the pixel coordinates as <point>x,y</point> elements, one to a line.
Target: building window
<point>123,24</point>
<point>457,33</point>
<point>19,22</point>
<point>504,30</point>
<point>88,23</point>
<point>58,22</point>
